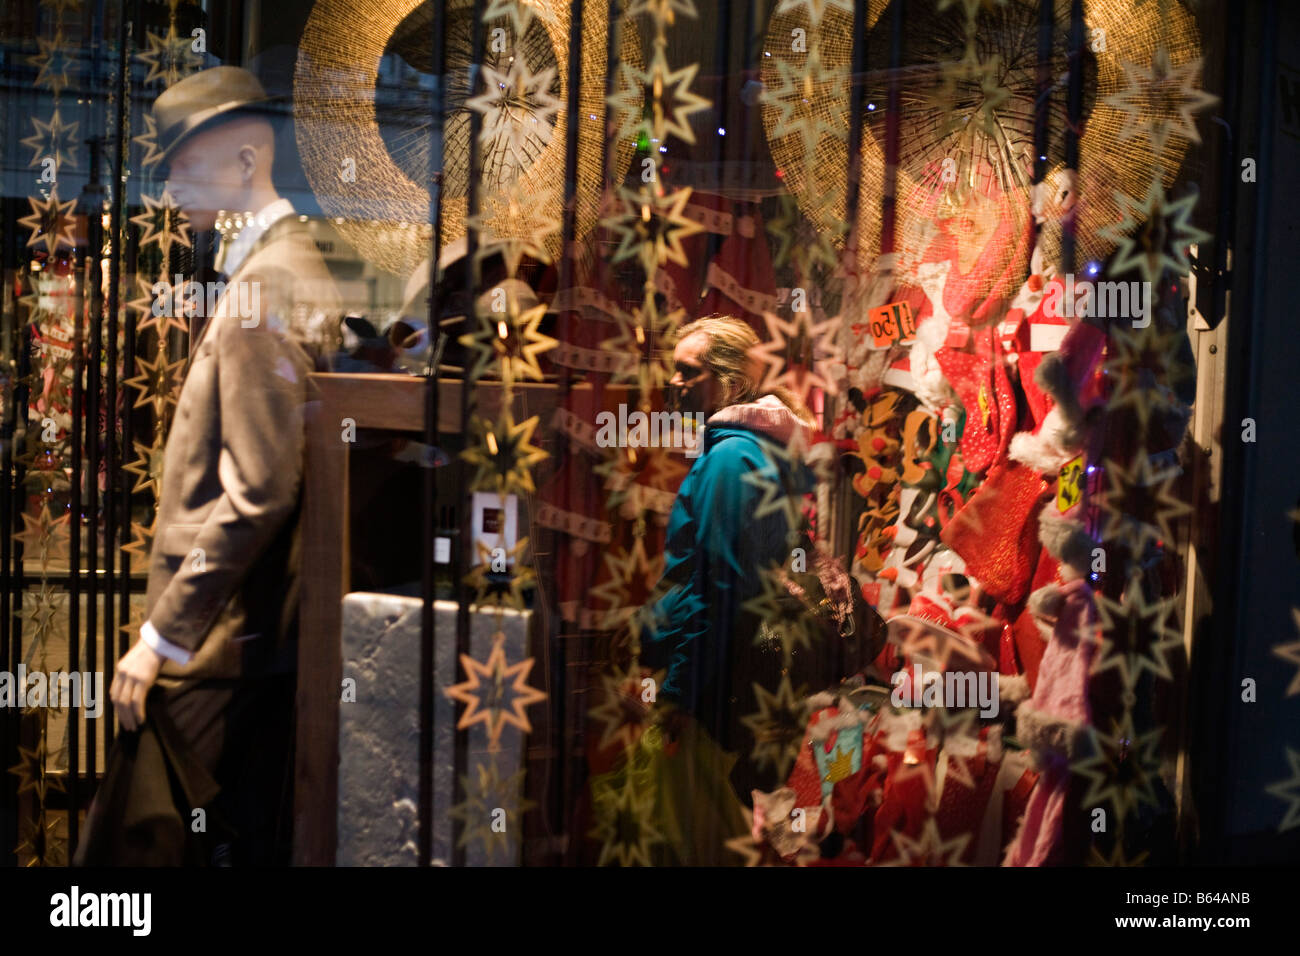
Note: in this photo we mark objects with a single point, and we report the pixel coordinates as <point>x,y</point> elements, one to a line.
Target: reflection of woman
<point>719,540</point>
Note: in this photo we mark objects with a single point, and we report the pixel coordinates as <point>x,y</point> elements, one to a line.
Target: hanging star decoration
<point>777,497</point>
<point>45,470</point>
<point>623,713</point>
<point>652,225</point>
<point>1291,654</point>
<point>516,222</point>
<point>1289,790</point>
<point>509,341</point>
<point>639,481</point>
<point>44,536</point>
<point>930,850</point>
<point>503,454</point>
<point>969,95</point>
<point>1138,490</point>
<point>746,845</point>
<point>787,622</point>
<point>650,337</point>
<point>1136,636</point>
<point>1154,234</point>
<point>624,824</point>
<point>663,11</point>
<point>520,12</point>
<point>815,9</point>
<point>777,726</point>
<point>51,298</point>
<point>1116,857</point>
<point>960,742</point>
<point>1121,767</point>
<point>157,381</point>
<point>810,99</point>
<point>801,243</point>
<point>51,222</point>
<point>1142,365</point>
<point>500,578</point>
<point>148,141</point>
<point>164,224</point>
<point>798,352</point>
<point>491,811</point>
<point>655,103</point>
<point>55,140</point>
<point>625,567</point>
<point>518,110</point>
<point>42,606</point>
<point>1159,102</point>
<point>53,63</point>
<point>147,467</point>
<point>169,303</point>
<point>169,57</point>
<point>31,770</point>
<point>139,545</point>
<point>495,693</point>
<point>40,842</point>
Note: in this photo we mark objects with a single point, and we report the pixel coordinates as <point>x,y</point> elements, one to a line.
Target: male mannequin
<point>220,635</point>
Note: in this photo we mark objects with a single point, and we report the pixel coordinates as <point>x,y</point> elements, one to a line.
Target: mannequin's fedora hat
<point>204,99</point>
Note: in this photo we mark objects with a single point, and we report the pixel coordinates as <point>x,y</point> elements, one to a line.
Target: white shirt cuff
<point>149,634</point>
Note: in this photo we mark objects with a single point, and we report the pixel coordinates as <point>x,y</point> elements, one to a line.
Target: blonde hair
<point>730,357</point>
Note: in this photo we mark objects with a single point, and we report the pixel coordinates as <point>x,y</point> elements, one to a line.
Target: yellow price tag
<point>1069,484</point>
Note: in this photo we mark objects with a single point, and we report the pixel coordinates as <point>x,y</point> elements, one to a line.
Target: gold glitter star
<point>668,94</point>
<point>503,453</point>
<point>1122,767</point>
<point>139,546</point>
<point>1129,495</point>
<point>637,481</point>
<point>799,241</point>
<point>815,9</point>
<point>171,306</point>
<point>44,536</point>
<point>516,222</point>
<point>54,139</point>
<point>1291,653</point>
<point>798,353</point>
<point>785,619</point>
<point>518,112</point>
<point>1159,102</point>
<point>478,813</point>
<point>1163,237</point>
<point>626,566</point>
<point>38,844</point>
<point>163,223</point>
<point>149,141</point>
<point>777,726</point>
<point>41,608</point>
<point>31,769</point>
<point>623,714</point>
<point>509,341</point>
<point>647,335</point>
<point>1142,363</point>
<point>157,381</point>
<point>53,61</point>
<point>147,467</point>
<point>930,850</point>
<point>663,11</point>
<point>520,12</point>
<point>1116,857</point>
<point>807,100</point>
<point>745,845</point>
<point>624,824</point>
<point>51,222</point>
<point>501,588</point>
<point>1147,638</point>
<point>169,57</point>
<point>652,226</point>
<point>495,693</point>
<point>1289,790</point>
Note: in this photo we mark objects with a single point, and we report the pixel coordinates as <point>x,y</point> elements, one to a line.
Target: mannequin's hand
<point>136,673</point>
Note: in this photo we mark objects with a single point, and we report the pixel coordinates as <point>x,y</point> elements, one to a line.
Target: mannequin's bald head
<point>224,167</point>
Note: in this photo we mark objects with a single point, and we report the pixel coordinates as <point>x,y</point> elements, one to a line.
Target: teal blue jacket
<point>717,543</point>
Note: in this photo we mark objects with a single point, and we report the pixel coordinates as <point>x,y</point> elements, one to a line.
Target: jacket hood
<point>769,416</point>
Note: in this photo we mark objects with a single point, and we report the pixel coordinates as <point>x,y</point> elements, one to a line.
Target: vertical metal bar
<point>463,645</point>
<point>74,523</point>
<point>111,501</point>
<point>722,66</point>
<point>889,198</point>
<point>857,90</point>
<point>428,489</point>
<point>1043,102</point>
<point>1075,115</point>
<point>95,244</point>
<point>568,252</point>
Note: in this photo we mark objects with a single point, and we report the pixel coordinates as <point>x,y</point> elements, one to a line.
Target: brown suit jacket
<point>223,570</point>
